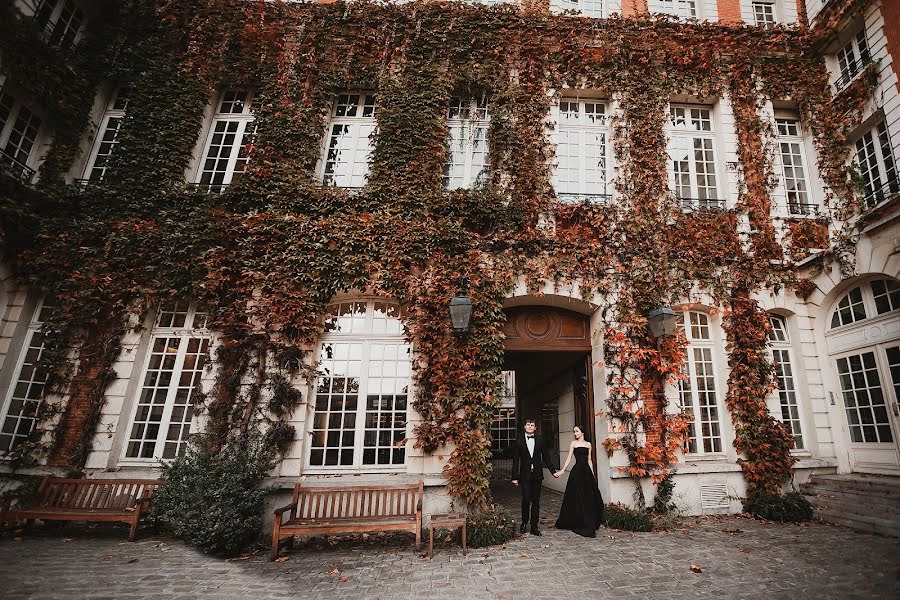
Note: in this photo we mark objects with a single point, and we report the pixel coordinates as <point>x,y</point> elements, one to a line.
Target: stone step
<point>884,484</point>
<point>850,505</point>
<point>866,524</point>
<point>862,498</point>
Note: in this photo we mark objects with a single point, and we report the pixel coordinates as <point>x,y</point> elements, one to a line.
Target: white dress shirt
<point>529,441</point>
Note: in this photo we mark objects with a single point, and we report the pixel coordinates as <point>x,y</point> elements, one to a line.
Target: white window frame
<point>242,126</point>
<point>362,332</point>
<point>107,137</point>
<point>759,17</point>
<point>592,9</point>
<point>789,133</point>
<point>879,173</point>
<point>194,328</point>
<point>683,9</point>
<point>695,119</point>
<point>695,445</point>
<point>585,129</point>
<point>12,113</point>
<point>52,23</point>
<point>787,391</point>
<point>357,130</point>
<point>34,328</point>
<point>464,133</point>
<point>867,302</point>
<point>851,58</point>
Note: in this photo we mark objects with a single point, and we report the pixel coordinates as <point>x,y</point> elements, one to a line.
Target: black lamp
<point>461,312</point>
<point>662,321</point>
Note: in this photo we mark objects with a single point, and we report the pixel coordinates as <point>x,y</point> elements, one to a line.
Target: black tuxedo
<point>528,469</point>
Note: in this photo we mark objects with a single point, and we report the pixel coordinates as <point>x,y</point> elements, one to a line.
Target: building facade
<point>833,312</point>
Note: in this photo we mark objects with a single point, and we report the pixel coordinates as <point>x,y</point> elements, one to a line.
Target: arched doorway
<point>546,378</point>
<point>863,339</point>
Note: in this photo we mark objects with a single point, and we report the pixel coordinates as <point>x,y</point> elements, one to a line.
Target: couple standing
<point>582,507</point>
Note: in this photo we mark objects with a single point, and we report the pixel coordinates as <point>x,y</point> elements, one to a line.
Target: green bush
<point>662,503</point>
<point>490,528</point>
<point>213,500</point>
<point>787,508</point>
<point>618,516</point>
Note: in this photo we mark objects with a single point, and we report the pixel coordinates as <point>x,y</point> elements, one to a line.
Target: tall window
<point>225,153</point>
<point>586,8</point>
<point>580,172</point>
<point>698,392</point>
<point>793,167</point>
<point>467,120</point>
<point>503,425</point>
<point>878,297</point>
<point>679,8</point>
<point>347,147</point>
<point>60,22</point>
<point>764,14</point>
<point>780,342</point>
<point>362,391</point>
<point>179,348</point>
<point>24,396</point>
<point>875,161</point>
<point>693,158</point>
<point>107,137</point>
<point>19,129</point>
<point>852,58</point>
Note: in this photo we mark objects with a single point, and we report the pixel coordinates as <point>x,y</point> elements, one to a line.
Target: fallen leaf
<point>696,568</point>
<point>132,561</point>
<point>545,545</point>
<point>66,540</point>
<point>283,559</point>
<point>745,549</point>
<point>108,557</point>
<point>525,555</point>
<point>333,571</point>
<point>343,580</point>
<point>727,530</point>
<point>238,558</point>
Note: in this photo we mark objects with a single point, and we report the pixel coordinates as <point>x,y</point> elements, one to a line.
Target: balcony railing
<point>15,167</point>
<point>873,198</point>
<point>598,199</point>
<point>689,204</point>
<point>803,209</point>
<point>853,69</point>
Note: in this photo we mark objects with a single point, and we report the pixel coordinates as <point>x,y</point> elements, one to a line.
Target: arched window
<point>179,348</point>
<point>871,299</point>
<point>780,342</point>
<point>698,393</point>
<point>362,391</point>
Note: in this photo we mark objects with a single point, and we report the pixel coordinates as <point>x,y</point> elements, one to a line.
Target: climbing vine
<point>267,255</point>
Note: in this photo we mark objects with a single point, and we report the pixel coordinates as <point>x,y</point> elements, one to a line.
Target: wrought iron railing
<point>15,167</point>
<point>872,198</point>
<point>853,69</point>
<point>688,204</point>
<point>803,209</point>
<point>210,188</point>
<point>599,199</point>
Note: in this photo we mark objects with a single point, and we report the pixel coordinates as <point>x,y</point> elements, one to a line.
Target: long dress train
<point>582,505</point>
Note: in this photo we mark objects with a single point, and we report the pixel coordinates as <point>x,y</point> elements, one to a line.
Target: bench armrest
<point>283,509</point>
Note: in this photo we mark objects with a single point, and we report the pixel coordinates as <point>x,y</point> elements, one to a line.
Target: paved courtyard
<point>738,558</point>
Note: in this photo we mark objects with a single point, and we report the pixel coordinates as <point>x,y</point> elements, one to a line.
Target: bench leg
<point>132,534</point>
<point>464,538</point>
<point>419,536</point>
<point>276,536</point>
<point>431,541</point>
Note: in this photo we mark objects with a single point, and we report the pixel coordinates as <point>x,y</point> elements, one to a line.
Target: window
<point>27,391</point>
<point>678,8</point>
<point>793,167</point>
<point>852,58</point>
<point>467,120</point>
<point>864,399</point>
<point>698,393</point>
<point>873,298</point>
<point>179,348</point>
<point>347,147</point>
<point>780,342</point>
<point>764,14</point>
<point>580,172</point>
<point>586,8</point>
<point>875,161</point>
<point>107,137</point>
<point>693,158</point>
<point>362,391</point>
<point>60,22</point>
<point>19,129</point>
<point>503,425</point>
<point>226,147</point>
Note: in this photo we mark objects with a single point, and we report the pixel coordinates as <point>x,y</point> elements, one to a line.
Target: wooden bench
<point>61,499</point>
<point>317,510</point>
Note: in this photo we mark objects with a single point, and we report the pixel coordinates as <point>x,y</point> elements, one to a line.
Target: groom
<point>530,456</point>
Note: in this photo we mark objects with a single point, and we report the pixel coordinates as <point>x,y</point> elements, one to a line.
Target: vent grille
<point>714,497</point>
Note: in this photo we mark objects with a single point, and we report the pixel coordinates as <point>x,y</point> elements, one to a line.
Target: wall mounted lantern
<point>662,321</point>
<point>461,312</point>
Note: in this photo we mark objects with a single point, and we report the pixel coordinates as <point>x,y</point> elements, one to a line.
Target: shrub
<point>618,516</point>
<point>490,527</point>
<point>662,503</point>
<point>787,508</point>
<point>213,500</point>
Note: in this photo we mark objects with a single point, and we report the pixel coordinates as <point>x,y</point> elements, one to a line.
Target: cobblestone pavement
<point>739,558</point>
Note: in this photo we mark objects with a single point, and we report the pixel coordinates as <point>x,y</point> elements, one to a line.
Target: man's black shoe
<point>536,531</point>
<point>522,528</point>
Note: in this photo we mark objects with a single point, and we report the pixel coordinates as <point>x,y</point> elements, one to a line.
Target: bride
<point>582,505</point>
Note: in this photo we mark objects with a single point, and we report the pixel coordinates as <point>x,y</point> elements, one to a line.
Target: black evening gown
<point>582,505</point>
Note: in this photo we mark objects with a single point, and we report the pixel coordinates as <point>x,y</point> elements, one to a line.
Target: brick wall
<point>633,8</point>
<point>730,11</point>
<point>890,12</point>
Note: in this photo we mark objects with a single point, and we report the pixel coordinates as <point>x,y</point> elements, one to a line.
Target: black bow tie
<point>529,437</point>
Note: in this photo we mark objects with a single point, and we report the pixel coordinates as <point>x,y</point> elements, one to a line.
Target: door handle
<point>897,409</point>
